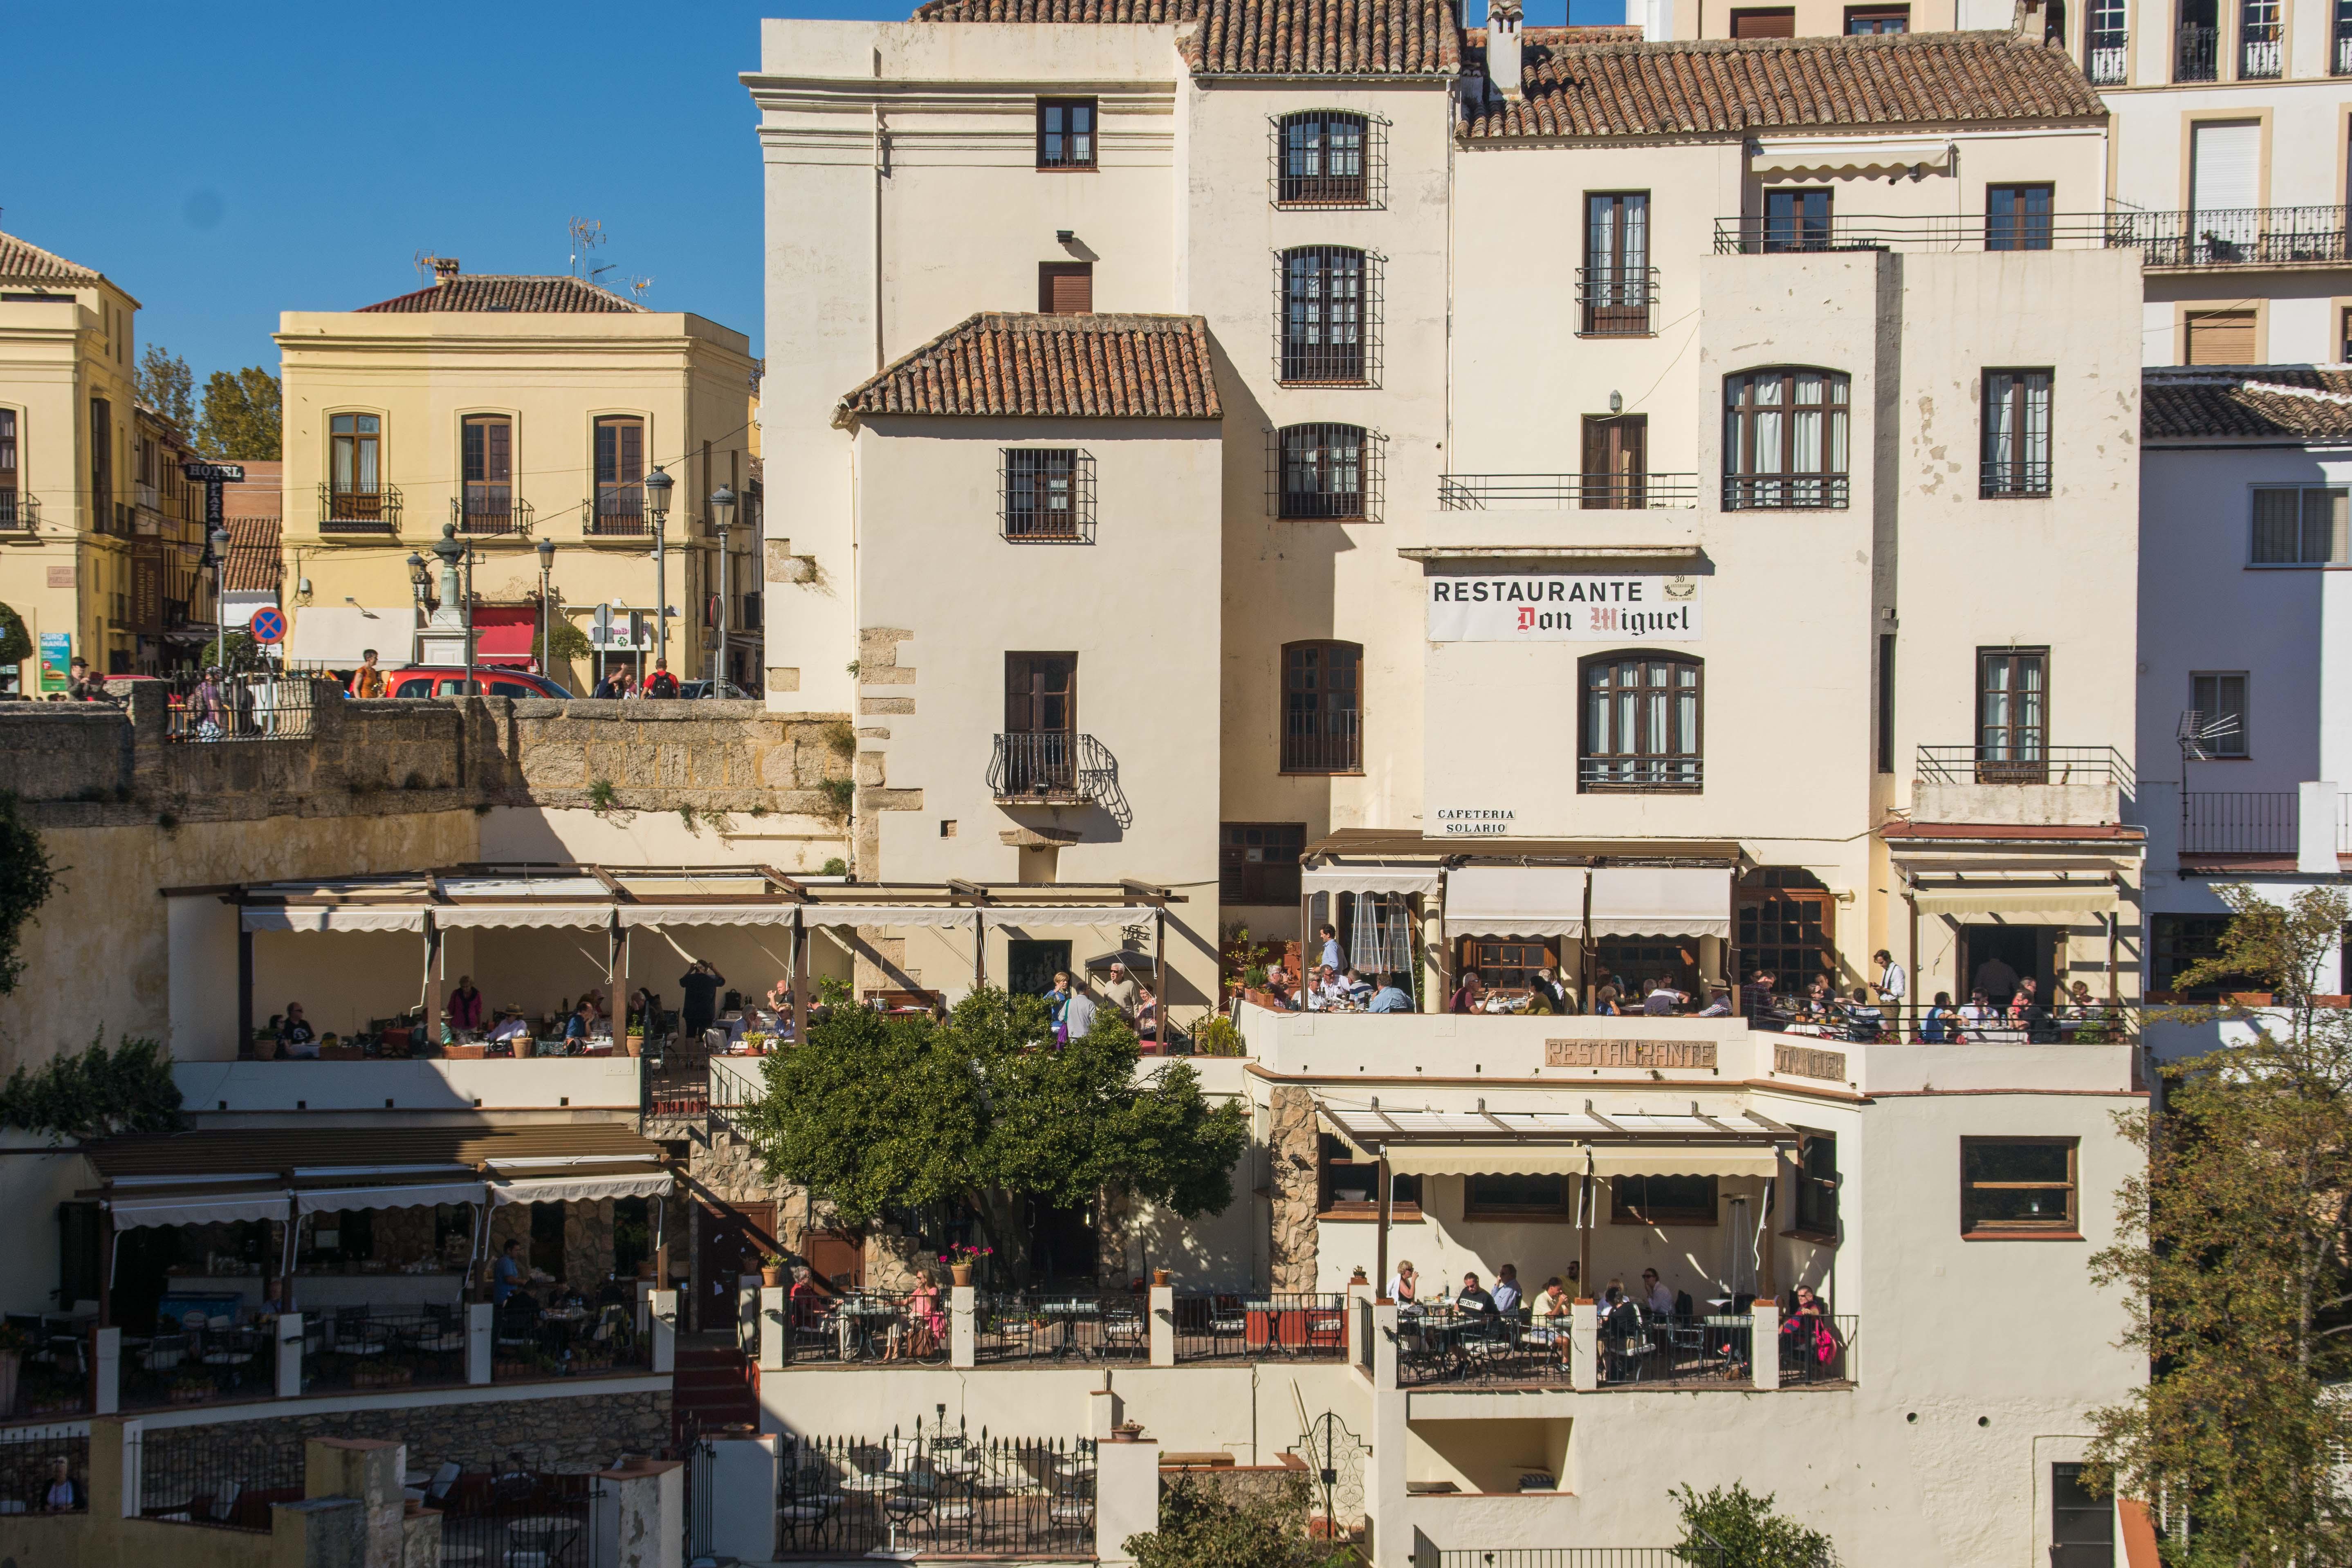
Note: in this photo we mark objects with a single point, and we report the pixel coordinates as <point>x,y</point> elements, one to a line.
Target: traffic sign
<point>268,625</point>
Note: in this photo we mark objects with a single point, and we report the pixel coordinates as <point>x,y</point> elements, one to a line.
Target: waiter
<point>1893,984</point>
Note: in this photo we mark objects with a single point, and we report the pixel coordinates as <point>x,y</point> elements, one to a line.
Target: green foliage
<point>1201,1528</point>
<point>15,642</point>
<point>980,1112</point>
<point>242,416</point>
<point>842,736</point>
<point>572,644</point>
<point>602,797</point>
<point>27,879</point>
<point>840,795</point>
<point>2233,1255</point>
<point>165,384</point>
<point>1215,1036</point>
<point>835,866</point>
<point>95,1092</point>
<point>1748,1532</point>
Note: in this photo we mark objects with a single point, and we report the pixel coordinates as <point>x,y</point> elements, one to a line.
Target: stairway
<point>714,1385</point>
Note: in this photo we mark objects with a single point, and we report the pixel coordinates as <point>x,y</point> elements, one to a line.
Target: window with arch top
<point>1640,724</point>
<point>1784,439</point>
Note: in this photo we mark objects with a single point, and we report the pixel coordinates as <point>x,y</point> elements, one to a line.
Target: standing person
<point>1894,984</point>
<point>86,688</point>
<point>1078,1013</point>
<point>1330,935</point>
<point>1755,996</point>
<point>505,1274</point>
<point>208,710</point>
<point>1057,1003</point>
<point>1996,979</point>
<point>367,681</point>
<point>661,682</point>
<point>699,987</point>
<point>609,689</point>
<point>466,1005</point>
<point>1120,990</point>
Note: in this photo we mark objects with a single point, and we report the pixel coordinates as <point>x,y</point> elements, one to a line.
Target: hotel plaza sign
<point>1551,606</point>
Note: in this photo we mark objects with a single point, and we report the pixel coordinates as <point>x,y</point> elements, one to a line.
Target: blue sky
<point>224,163</point>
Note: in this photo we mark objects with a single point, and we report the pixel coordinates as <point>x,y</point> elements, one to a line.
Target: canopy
<point>1685,1160</point>
<point>319,917</point>
<point>948,915</point>
<point>505,634</point>
<point>494,917</point>
<point>1116,916</point>
<point>2062,902</point>
<point>339,636</point>
<point>334,1200</point>
<point>707,914</point>
<point>1660,901</point>
<point>1487,1160</point>
<point>1781,154</point>
<point>1369,880</point>
<point>1517,901</point>
<point>575,1186</point>
<point>197,1208</point>
<point>1552,1142</point>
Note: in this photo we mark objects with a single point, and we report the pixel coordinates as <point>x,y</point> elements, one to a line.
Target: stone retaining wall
<point>580,1432</point>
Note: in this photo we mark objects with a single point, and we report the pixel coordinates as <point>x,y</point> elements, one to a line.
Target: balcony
<point>2195,54</point>
<point>489,516</point>
<point>2261,51</point>
<point>1757,235</point>
<point>2233,236</point>
<point>2106,61</point>
<point>2340,57</point>
<point>1616,301</point>
<point>2253,822</point>
<point>616,515</point>
<point>357,508</point>
<point>2027,783</point>
<point>1591,492</point>
<point>20,512</point>
<point>1055,767</point>
<point>1639,775</point>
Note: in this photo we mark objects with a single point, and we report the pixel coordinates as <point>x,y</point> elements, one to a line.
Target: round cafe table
<point>541,1533</point>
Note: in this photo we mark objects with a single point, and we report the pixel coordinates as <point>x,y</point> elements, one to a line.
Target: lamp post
<point>420,582</point>
<point>453,555</point>
<point>722,515</point>
<point>218,542</point>
<point>546,606</point>
<point>658,489</point>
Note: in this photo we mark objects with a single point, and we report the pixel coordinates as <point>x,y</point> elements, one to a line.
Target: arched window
<point>1325,314</point>
<point>1323,158</point>
<point>1641,723</point>
<point>1322,729</point>
<point>1784,439</point>
<point>1323,470</point>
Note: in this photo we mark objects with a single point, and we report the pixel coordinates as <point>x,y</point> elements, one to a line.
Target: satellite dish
<point>2194,733</point>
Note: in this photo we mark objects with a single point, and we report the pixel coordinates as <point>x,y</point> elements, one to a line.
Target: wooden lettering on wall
<point>1629,1053</point>
<point>1805,1062</point>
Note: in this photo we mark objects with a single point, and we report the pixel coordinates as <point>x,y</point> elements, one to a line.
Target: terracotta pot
<point>772,1277</point>
<point>1126,1432</point>
<point>636,1044</point>
<point>959,1273</point>
<point>1159,1277</point>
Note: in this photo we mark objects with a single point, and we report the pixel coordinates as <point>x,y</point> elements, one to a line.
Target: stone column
<point>1127,1496</point>
<point>1360,1296</point>
<point>368,1469</point>
<point>1164,1325</point>
<point>320,1533</point>
<point>1291,1151</point>
<point>963,1324</point>
<point>1764,1344</point>
<point>106,1363</point>
<point>1584,1346</point>
<point>641,1515</point>
<point>775,1329</point>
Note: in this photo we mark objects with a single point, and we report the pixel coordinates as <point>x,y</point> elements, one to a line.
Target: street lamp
<point>546,606</point>
<point>658,489</point>
<point>722,513</point>
<point>218,542</point>
<point>453,555</point>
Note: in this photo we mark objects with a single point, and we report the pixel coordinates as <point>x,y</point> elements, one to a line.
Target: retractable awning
<point>198,1208</point>
<point>1661,901</point>
<point>1515,901</point>
<point>707,914</point>
<point>511,917</point>
<point>1500,1143</point>
<point>337,1200</point>
<point>2063,901</point>
<point>577,1185</point>
<point>1369,880</point>
<point>315,917</point>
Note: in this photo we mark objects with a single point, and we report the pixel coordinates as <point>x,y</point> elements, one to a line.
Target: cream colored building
<point>519,411</point>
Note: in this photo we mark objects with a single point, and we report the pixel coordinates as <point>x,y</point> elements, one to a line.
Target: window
<point>1321,723</point>
<point>1350,1187</point>
<point>8,471</point>
<point>1065,133</point>
<point>1257,862</point>
<point>2016,1186</point>
<point>1886,703</point>
<point>2082,1521</point>
<point>1662,1200</point>
<point>2012,715</point>
<point>1324,471</point>
<point>1049,496</point>
<point>1325,323</point>
<point>2262,42</point>
<point>1775,22</point>
<point>2195,42</point>
<point>2016,434</point>
<point>1615,283</point>
<point>1865,19</point>
<point>2220,700</point>
<point>1640,724</point>
<point>1323,159</point>
<point>1511,965</point>
<point>2344,322</point>
<point>1817,1186</point>
<point>1786,922</point>
<point>1796,220</point>
<point>2339,54</point>
<point>750,619</point>
<point>2299,526</point>
<point>102,465</point>
<point>620,475</point>
<point>2106,41</point>
<point>1065,287</point>
<point>2017,217</point>
<point>1037,755</point>
<point>2221,337</point>
<point>1616,461</point>
<point>1514,1197</point>
<point>487,455</point>
<point>1784,439</point>
<point>2175,942</point>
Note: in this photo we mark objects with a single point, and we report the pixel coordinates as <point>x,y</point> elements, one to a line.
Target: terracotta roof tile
<point>254,564</point>
<point>1262,38</point>
<point>1159,12</point>
<point>1723,88</point>
<point>2294,402</point>
<point>1052,367</point>
<point>21,261</point>
<point>489,291</point>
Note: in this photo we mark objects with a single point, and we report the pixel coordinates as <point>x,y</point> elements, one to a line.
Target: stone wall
<point>580,1433</point>
<point>1291,1148</point>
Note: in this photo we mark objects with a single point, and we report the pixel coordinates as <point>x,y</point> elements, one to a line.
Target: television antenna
<point>638,285</point>
<point>424,261</point>
<point>2195,731</point>
<point>587,234</point>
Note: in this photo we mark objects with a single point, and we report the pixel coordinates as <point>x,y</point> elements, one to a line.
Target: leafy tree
<point>1740,1530</point>
<point>15,642</point>
<point>1200,1527</point>
<point>166,385</point>
<point>241,419</point>
<point>2232,1254</point>
<point>572,644</point>
<point>980,1113</point>
<point>26,883</point>
<point>95,1092</point>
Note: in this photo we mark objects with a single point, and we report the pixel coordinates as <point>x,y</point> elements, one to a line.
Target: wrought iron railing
<point>1669,775</point>
<point>531,1343</point>
<point>1054,766</point>
<point>938,1492</point>
<point>1603,492</point>
<point>237,705</point>
<point>1684,1556</point>
<point>485,516</point>
<point>2001,477</point>
<point>44,1470</point>
<point>2231,236</point>
<point>2195,54</point>
<point>910,1326</point>
<point>522,1516</point>
<point>2240,821</point>
<point>1815,1351</point>
<point>364,1349</point>
<point>1997,1021</point>
<point>188,1475</point>
<point>1784,492</point>
<point>1616,301</point>
<point>1323,741</point>
<point>1280,1326</point>
<point>2105,59</point>
<point>19,510</point>
<point>2261,49</point>
<point>1756,235</point>
<point>2023,762</point>
<point>357,508</point>
<point>1442,1344</point>
<point>617,514</point>
<point>1062,1326</point>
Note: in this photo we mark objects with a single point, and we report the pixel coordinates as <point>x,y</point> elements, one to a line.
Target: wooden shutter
<point>1065,287</point>
<point>2221,337</point>
<point>1773,24</point>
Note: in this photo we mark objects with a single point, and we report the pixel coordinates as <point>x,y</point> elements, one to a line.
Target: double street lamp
<point>722,515</point>
<point>657,488</point>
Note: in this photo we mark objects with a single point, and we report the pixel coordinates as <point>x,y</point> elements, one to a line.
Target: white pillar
<point>1127,1496</point>
<point>289,1355</point>
<point>1583,1346</point>
<point>664,1309</point>
<point>963,1324</point>
<point>775,1333</point>
<point>645,1307</point>
<point>1359,1296</point>
<point>1164,1325</point>
<point>747,1309</point>
<point>640,1519</point>
<point>1764,1344</point>
<point>106,1363</point>
<point>1105,1410</point>
<point>477,1340</point>
<point>2314,845</point>
<point>1385,1503</point>
<point>743,1498</point>
<point>135,1476</point>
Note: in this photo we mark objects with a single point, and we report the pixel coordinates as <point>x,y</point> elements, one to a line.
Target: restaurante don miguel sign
<point>1550,607</point>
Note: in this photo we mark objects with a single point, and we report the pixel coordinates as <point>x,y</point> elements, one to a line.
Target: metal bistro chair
<point>1628,1347</point>
<point>807,1501</point>
<point>1122,1331</point>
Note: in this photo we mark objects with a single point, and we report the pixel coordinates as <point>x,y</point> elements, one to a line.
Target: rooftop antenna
<point>637,286</point>
<point>425,259</point>
<point>2195,731</point>
<point>587,234</point>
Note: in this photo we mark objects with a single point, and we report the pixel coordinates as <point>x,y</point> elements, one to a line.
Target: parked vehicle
<point>489,680</point>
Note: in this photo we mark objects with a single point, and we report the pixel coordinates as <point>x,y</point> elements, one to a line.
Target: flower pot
<point>959,1273</point>
<point>1126,1432</point>
<point>772,1277</point>
<point>1159,1277</point>
<point>634,1045</point>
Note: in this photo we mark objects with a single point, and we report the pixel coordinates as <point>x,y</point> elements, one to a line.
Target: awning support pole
<point>1584,1225</point>
<point>1380,1262</point>
<point>1916,982</point>
<point>1159,976</point>
<point>431,1008</point>
<point>244,987</point>
<point>1584,945</point>
<point>109,1245</point>
<point>979,950</point>
<point>2114,997</point>
<point>799,978</point>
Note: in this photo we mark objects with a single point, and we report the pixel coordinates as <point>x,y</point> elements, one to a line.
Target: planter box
<point>463,1053</point>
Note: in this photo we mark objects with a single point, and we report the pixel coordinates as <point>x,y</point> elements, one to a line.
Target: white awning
<point>335,1200</point>
<point>641,1183</point>
<point>1661,901</point>
<point>1685,1160</point>
<point>706,914</point>
<point>1793,153</point>
<point>503,917</point>
<point>1486,1160</point>
<point>339,636</point>
<point>1369,880</point>
<point>1117,917</point>
<point>933,915</point>
<point>192,1208</point>
<point>319,917</point>
<point>2061,904</point>
<point>1515,900</point>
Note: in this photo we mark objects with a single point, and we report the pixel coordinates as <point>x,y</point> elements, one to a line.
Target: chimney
<point>445,267</point>
<point>1503,46</point>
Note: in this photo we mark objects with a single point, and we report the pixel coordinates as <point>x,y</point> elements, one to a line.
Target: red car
<point>449,681</point>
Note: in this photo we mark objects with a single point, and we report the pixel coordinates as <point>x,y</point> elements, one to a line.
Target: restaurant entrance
<point>729,1239</point>
<point>1994,958</point>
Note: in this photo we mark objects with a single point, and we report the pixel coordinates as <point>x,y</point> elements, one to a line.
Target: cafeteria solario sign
<point>1550,607</point>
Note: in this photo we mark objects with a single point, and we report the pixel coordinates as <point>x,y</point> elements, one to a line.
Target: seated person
<point>1466,997</point>
<point>1863,1016</point>
<point>294,1036</point>
<point>1507,1290</point>
<point>1553,995</point>
<point>1474,1297</point>
<point>1390,998</point>
<point>594,1000</point>
<point>1718,1005</point>
<point>1661,1300</point>
<point>780,996</point>
<point>1937,1025</point>
<point>1604,1002</point>
<point>1663,999</point>
<point>512,1026</point>
<point>1552,1301</point>
<point>1355,986</point>
<point>576,1028</point>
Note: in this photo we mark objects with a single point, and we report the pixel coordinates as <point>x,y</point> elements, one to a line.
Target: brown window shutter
<point>2221,337</point>
<point>1065,287</point>
<point>1777,23</point>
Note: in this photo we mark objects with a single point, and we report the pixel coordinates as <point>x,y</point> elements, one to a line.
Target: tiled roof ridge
<point>1260,38</point>
<point>22,259</point>
<point>1022,363</point>
<point>2299,401</point>
<point>489,282</point>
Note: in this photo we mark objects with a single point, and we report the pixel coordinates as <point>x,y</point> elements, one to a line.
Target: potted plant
<point>1127,1431</point>
<point>772,1269</point>
<point>960,1260</point>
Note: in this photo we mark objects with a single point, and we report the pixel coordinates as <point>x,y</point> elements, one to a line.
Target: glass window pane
<point>369,423</point>
<point>2277,537</point>
<point>2003,1162</point>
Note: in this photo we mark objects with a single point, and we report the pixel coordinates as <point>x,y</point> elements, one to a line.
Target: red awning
<point>503,634</point>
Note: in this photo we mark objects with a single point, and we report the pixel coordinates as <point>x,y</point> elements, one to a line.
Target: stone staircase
<point>713,1385</point>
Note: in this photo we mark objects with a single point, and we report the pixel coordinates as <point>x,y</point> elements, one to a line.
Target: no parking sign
<point>268,625</point>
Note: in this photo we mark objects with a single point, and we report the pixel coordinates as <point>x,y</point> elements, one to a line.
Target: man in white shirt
<point>1330,935</point>
<point>1660,1301</point>
<point>1507,1289</point>
<point>1893,984</point>
<point>1078,1012</point>
<point>1120,990</point>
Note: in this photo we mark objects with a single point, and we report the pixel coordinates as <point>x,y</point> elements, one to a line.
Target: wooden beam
<point>791,888</point>
<point>613,885</point>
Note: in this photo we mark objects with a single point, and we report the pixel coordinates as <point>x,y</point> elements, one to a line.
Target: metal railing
<point>938,1493</point>
<point>1062,1326</point>
<point>1784,492</point>
<point>2195,54</point>
<point>2262,50</point>
<point>1440,1345</point>
<point>1813,1356</point>
<point>2001,477</point>
<point>2105,60</point>
<point>197,1365</point>
<point>1282,1326</point>
<point>2023,762</point>
<point>33,1463</point>
<point>1600,493</point>
<point>1323,741</point>
<point>1616,301</point>
<point>1760,236</point>
<point>351,508</point>
<point>240,705</point>
<point>2240,821</point>
<point>189,1476</point>
<point>1836,1022</point>
<point>2340,58</point>
<point>1687,1556</point>
<point>533,1345</point>
<point>869,1326</point>
<point>19,510</point>
<point>2231,236</point>
<point>522,1517</point>
<point>485,516</point>
<point>615,514</point>
<point>1052,765</point>
<point>1634,775</point>
<point>364,1348</point>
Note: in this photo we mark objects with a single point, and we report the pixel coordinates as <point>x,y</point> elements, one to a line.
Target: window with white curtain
<point>2299,525</point>
<point>2016,456</point>
<point>1641,723</point>
<point>1784,439</point>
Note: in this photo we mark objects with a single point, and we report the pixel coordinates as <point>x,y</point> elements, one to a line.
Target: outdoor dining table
<point>858,1320</point>
<point>543,1533</point>
<point>1065,1315</point>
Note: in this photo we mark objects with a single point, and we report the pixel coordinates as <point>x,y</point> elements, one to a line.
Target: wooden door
<point>1065,287</point>
<point>729,1240</point>
<point>837,1257</point>
<point>1616,459</point>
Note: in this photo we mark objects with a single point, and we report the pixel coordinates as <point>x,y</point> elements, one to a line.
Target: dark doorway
<point>2082,1521</point>
<point>546,1243</point>
<point>836,1256</point>
<point>728,1242</point>
<point>1061,1242</point>
<point>2027,950</point>
<point>1030,966</point>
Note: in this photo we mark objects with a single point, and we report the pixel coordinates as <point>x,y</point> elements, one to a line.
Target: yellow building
<point>519,411</point>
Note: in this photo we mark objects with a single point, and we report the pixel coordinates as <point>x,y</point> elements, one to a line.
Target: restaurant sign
<point>1551,606</point>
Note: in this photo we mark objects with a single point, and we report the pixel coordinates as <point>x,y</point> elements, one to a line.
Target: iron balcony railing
<point>2262,50</point>
<point>615,514</point>
<point>2195,54</point>
<point>1616,301</point>
<point>2104,60</point>
<point>1618,775</point>
<point>1784,492</point>
<point>1049,766</point>
<point>2000,477</point>
<point>1757,235</point>
<point>356,509</point>
<point>485,515</point>
<point>2341,59</point>
<point>2023,762</point>
<point>2231,236</point>
<point>2241,822</point>
<point>1323,741</point>
<point>19,510</point>
<point>1601,492</point>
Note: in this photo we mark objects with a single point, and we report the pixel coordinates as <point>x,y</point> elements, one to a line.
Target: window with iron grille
<point>1322,725</point>
<point>1257,862</point>
<point>1065,133</point>
<point>486,460</point>
<point>2106,36</point>
<point>2016,434</point>
<point>1327,470</point>
<point>1048,495</point>
<point>1784,439</point>
<point>1641,718</point>
<point>1329,158</point>
<point>1327,328</point>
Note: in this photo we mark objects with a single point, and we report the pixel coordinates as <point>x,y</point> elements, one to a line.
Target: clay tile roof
<point>1262,38</point>
<point>28,263</point>
<point>1052,367</point>
<point>1160,12</point>
<point>1722,87</point>
<point>488,291</point>
<point>2294,402</point>
<point>254,564</point>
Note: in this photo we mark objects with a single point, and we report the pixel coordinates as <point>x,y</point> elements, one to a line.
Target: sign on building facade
<point>1553,606</point>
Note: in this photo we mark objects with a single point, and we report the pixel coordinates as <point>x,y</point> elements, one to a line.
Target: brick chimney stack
<point>445,267</point>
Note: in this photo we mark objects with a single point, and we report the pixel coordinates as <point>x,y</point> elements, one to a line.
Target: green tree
<point>2231,1253</point>
<point>1737,1528</point>
<point>572,644</point>
<point>15,642</point>
<point>980,1112</point>
<point>95,1093</point>
<point>1201,1528</point>
<point>241,419</point>
<point>26,880</point>
<point>166,385</point>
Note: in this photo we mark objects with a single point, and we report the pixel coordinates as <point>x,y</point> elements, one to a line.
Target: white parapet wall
<point>546,1083</point>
